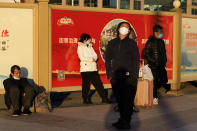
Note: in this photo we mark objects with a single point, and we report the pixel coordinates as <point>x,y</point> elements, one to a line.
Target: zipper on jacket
<point>119,46</point>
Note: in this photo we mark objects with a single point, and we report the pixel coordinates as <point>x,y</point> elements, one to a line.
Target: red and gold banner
<point>67,26</point>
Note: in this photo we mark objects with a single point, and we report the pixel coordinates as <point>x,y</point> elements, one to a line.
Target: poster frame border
<point>104,10</point>
<point>34,8</point>
<point>193,76</point>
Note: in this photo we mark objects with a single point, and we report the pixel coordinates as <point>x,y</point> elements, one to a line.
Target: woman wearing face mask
<point>122,68</point>
<point>88,69</point>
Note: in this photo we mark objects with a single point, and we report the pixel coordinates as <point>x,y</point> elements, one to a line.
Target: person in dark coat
<point>122,67</point>
<point>18,92</point>
<point>155,54</point>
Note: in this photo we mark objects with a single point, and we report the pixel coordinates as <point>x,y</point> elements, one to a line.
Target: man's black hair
<point>13,69</point>
<point>118,27</point>
<point>156,28</point>
<point>84,36</point>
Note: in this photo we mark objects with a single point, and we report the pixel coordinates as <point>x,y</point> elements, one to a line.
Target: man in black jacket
<point>155,54</point>
<point>18,92</point>
<point>122,68</point>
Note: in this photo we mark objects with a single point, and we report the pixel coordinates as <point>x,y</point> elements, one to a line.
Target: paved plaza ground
<point>174,113</point>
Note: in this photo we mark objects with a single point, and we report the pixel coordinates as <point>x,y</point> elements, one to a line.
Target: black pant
<point>124,90</point>
<point>15,96</point>
<point>94,78</point>
<point>160,79</point>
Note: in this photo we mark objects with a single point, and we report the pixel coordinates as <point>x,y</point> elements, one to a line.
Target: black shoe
<point>27,112</point>
<point>16,113</point>
<point>135,109</point>
<point>123,126</point>
<point>87,102</point>
<point>116,109</point>
<point>115,124</point>
<point>120,124</point>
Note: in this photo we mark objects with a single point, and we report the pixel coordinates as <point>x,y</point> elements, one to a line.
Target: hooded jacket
<point>87,56</point>
<point>122,56</point>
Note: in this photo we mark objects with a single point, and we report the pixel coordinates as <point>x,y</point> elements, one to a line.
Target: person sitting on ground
<point>18,92</point>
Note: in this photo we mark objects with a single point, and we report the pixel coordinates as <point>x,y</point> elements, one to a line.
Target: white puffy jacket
<point>87,55</point>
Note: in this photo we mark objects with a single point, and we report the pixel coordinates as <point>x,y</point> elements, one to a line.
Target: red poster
<point>67,26</point>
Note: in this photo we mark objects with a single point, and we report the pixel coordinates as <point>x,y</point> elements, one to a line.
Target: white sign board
<point>10,1</point>
<point>16,40</point>
<point>189,47</point>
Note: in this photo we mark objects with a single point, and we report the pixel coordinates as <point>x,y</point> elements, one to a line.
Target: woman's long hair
<point>84,36</point>
<point>118,27</point>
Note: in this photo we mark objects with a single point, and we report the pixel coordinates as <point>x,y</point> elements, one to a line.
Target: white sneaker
<point>155,101</point>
